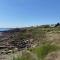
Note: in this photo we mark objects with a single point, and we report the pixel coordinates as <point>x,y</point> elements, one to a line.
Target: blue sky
<point>21,13</point>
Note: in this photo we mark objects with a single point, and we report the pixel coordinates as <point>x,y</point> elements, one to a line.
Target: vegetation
<point>41,52</point>
<point>37,42</point>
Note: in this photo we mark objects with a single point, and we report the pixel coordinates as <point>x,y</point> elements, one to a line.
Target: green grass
<point>43,50</point>
<point>25,56</point>
<point>16,58</point>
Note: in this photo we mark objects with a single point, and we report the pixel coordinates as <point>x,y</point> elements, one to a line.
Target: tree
<point>58,24</point>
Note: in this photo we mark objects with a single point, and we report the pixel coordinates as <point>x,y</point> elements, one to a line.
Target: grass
<point>40,51</point>
<point>16,58</point>
<point>26,56</point>
<point>43,50</point>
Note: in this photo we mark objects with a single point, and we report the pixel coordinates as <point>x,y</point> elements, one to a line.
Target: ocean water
<point>3,29</point>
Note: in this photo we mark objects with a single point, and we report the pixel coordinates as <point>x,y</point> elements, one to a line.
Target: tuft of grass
<point>16,58</point>
<point>43,50</point>
<point>25,56</point>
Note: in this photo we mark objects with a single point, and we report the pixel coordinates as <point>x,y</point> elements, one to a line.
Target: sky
<point>23,13</point>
